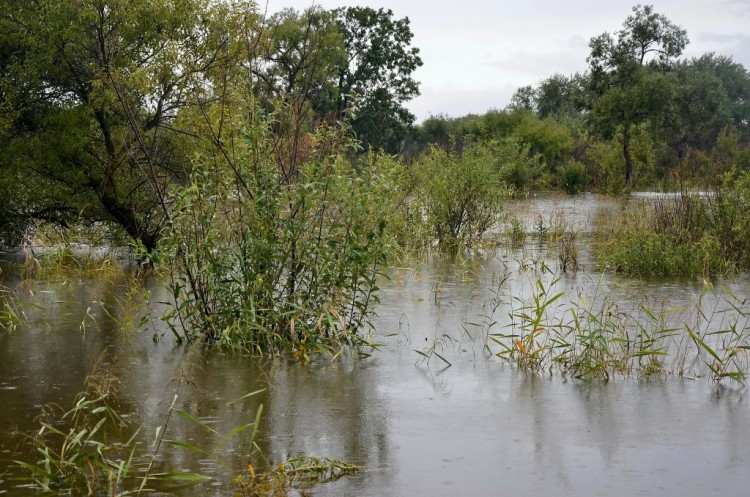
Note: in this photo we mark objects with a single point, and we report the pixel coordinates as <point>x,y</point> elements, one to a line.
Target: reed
<point>81,450</point>
<point>92,449</point>
<point>593,338</point>
<point>12,315</point>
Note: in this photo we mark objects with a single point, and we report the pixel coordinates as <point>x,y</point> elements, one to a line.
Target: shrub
<point>267,254</point>
<point>688,234</point>
<point>460,196</point>
<point>573,177</point>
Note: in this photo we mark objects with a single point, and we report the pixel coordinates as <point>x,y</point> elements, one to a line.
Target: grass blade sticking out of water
<point>194,420</point>
<point>446,361</point>
<point>12,315</point>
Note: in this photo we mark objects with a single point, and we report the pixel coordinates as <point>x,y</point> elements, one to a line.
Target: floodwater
<point>419,427</point>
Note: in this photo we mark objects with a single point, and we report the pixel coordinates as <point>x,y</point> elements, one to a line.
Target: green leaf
<point>189,447</point>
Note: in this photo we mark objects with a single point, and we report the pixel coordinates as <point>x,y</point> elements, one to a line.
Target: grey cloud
<point>736,45</point>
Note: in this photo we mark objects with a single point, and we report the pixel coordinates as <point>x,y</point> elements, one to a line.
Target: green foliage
<point>572,177</point>
<point>628,76</point>
<point>12,315</point>
<point>589,341</point>
<point>724,351</point>
<point>519,167</point>
<point>461,195</point>
<point>689,234</point>
<point>72,448</point>
<point>266,257</point>
<point>549,139</point>
<point>295,471</point>
<point>734,84</point>
<point>377,75</point>
<point>352,63</point>
<point>561,96</point>
<point>93,133</point>
<point>697,126</point>
<point>297,54</point>
<point>605,165</point>
<point>594,338</point>
<point>91,450</point>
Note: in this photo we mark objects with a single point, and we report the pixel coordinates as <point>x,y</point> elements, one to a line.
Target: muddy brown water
<point>477,428</point>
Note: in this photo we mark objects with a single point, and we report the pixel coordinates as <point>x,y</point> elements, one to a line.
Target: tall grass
<point>594,338</point>
<point>55,254</point>
<point>74,449</point>
<point>92,449</point>
<point>687,234</point>
<point>12,315</point>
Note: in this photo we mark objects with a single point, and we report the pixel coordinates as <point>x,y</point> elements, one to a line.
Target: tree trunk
<point>628,157</point>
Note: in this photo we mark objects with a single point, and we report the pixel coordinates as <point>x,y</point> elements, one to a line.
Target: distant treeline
<point>638,116</point>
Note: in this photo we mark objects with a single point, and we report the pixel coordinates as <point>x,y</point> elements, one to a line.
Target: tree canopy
<point>627,74</point>
<point>353,63</point>
<point>105,103</point>
<point>94,134</point>
<point>637,114</point>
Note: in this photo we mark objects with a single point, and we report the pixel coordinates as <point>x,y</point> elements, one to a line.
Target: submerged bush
<point>267,253</point>
<point>688,234</point>
<point>461,195</point>
<point>572,177</point>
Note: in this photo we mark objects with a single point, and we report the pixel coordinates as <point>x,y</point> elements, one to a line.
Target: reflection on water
<point>479,427</point>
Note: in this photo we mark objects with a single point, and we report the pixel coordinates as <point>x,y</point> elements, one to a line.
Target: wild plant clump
<point>689,234</point>
<point>460,196</point>
<point>594,338</point>
<point>70,450</point>
<point>277,242</point>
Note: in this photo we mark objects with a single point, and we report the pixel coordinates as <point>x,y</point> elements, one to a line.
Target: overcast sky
<point>476,53</point>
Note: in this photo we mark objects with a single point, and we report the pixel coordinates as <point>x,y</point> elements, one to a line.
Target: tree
<point>301,50</point>
<point>352,64</point>
<point>524,97</point>
<point>94,133</point>
<point>376,77</point>
<point>701,110</point>
<point>560,95</point>
<point>629,75</point>
<point>734,79</point>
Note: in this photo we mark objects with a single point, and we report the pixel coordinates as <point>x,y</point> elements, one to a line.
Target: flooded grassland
<point>480,386</point>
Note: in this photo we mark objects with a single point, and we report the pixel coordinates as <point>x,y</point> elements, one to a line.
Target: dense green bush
<point>460,196</point>
<point>688,234</point>
<point>572,177</point>
<point>267,254</point>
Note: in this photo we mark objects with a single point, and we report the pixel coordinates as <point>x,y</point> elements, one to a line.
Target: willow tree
<point>629,74</point>
<point>94,134</point>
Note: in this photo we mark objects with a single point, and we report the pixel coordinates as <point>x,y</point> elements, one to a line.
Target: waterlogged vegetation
<point>246,187</point>
<point>688,233</point>
<point>592,337</point>
<point>92,449</point>
<point>266,255</point>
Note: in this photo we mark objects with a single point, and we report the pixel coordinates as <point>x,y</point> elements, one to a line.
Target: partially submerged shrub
<point>572,177</point>
<point>460,195</point>
<point>271,254</point>
<point>687,234</point>
<point>299,470</point>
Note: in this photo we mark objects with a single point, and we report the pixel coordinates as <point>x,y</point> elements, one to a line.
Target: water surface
<point>419,428</point>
